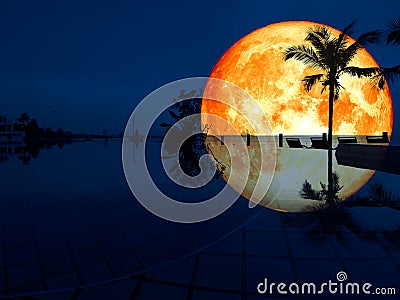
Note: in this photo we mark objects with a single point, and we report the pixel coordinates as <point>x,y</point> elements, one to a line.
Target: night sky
<point>84,66</point>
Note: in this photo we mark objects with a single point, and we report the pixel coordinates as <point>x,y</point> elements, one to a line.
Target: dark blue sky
<point>92,61</point>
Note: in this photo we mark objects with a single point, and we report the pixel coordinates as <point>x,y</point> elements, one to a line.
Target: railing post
<point>324,136</point>
<point>280,140</point>
<point>385,137</point>
<point>248,139</point>
<point>222,140</point>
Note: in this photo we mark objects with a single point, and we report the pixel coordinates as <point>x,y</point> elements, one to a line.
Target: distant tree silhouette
<point>33,130</point>
<point>60,132</point>
<point>37,138</point>
<point>50,133</point>
<point>332,57</point>
<point>22,121</point>
<point>23,155</point>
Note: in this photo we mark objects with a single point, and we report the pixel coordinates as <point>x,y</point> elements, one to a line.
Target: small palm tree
<point>332,56</point>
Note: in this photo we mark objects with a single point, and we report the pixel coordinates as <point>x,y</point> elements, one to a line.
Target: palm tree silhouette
<point>332,56</point>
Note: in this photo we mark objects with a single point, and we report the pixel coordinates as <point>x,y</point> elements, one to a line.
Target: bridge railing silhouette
<point>310,141</point>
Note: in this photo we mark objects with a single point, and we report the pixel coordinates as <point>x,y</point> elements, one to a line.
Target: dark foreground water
<point>69,224</point>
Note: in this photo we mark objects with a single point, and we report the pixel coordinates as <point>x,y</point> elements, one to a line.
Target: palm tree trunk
<point>330,199</point>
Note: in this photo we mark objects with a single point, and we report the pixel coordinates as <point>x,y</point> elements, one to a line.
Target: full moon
<point>255,63</point>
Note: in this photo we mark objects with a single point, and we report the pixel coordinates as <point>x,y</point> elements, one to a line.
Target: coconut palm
<point>332,56</point>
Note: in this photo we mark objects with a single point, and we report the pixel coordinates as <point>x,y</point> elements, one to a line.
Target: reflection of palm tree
<point>377,196</point>
<point>23,155</point>
<point>308,192</point>
<point>331,56</point>
<point>321,221</point>
<point>330,221</point>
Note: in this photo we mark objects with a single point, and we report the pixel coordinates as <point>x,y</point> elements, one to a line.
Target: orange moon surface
<point>255,63</point>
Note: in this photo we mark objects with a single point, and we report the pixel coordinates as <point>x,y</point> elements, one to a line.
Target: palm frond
<point>336,186</point>
<point>338,87</point>
<point>347,54</point>
<point>361,72</point>
<point>391,73</point>
<point>393,24</point>
<point>325,83</point>
<point>378,81</point>
<point>308,192</point>
<point>393,37</point>
<point>342,40</point>
<point>322,31</point>
<point>394,32</point>
<point>304,54</point>
<point>370,37</point>
<point>311,80</point>
<point>348,30</point>
<point>319,44</point>
<point>316,40</point>
<point>324,44</point>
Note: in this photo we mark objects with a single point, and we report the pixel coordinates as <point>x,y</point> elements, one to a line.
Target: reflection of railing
<point>8,135</point>
<point>8,150</point>
<point>9,140</point>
